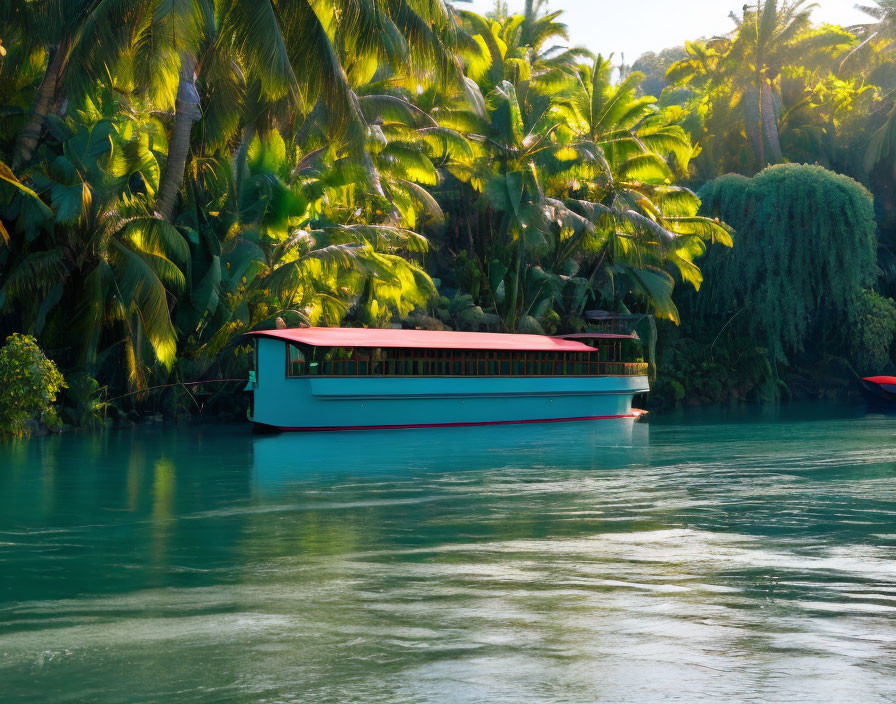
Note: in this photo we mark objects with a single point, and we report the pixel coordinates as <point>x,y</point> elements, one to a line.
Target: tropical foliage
<point>30,385</point>
<point>771,89</point>
<point>798,287</point>
<point>183,172</point>
<point>173,174</point>
<point>806,248</point>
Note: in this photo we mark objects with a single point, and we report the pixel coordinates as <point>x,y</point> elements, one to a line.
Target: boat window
<point>295,365</point>
<point>352,362</point>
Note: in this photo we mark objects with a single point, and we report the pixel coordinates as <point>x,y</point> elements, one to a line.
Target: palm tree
<point>575,179</point>
<point>763,42</point>
<point>735,82</point>
<point>274,41</point>
<point>94,263</point>
<point>284,252</point>
<point>643,223</point>
<point>520,47</point>
<point>290,52</point>
<point>49,25</point>
<point>880,35</point>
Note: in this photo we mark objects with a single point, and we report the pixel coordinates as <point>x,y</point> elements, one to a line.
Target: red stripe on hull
<point>421,426</point>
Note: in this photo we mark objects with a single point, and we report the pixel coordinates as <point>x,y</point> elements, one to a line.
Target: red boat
<point>880,390</point>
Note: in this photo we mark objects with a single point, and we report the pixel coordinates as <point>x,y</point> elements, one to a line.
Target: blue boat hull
<point>366,403</point>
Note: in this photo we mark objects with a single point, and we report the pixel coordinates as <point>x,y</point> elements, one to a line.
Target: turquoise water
<point>747,558</point>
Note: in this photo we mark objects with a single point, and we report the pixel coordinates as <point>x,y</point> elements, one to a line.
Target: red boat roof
<point>423,339</point>
<point>885,380</point>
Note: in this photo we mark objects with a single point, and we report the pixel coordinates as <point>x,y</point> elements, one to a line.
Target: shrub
<point>29,383</point>
<point>84,404</point>
<point>697,365</point>
<point>806,247</point>
<point>874,328</point>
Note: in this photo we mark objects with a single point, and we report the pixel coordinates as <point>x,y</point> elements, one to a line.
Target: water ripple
<point>749,561</point>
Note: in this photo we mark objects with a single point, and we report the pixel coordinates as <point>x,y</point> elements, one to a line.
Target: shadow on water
<point>750,413</point>
<point>104,513</point>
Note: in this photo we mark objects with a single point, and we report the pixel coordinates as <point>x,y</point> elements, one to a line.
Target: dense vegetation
<point>802,304</point>
<point>806,248</point>
<point>176,173</point>
<point>30,385</point>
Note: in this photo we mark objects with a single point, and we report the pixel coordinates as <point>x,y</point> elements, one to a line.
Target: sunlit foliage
<point>30,384</point>
<point>183,172</point>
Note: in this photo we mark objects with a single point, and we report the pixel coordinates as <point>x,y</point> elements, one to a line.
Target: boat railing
<point>428,367</point>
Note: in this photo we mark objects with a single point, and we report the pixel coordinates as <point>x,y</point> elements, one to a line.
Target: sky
<point>633,27</point>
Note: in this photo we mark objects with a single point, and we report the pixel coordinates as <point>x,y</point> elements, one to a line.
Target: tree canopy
<point>173,174</point>
<point>805,249</point>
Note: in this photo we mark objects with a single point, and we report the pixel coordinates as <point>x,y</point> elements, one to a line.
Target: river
<point>710,557</point>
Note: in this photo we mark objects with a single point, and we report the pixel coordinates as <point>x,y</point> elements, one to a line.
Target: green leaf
<point>497,270</point>
<point>656,287</point>
<point>267,153</point>
<point>205,296</point>
<point>155,235</point>
<point>143,295</point>
<point>7,175</point>
<point>706,228</point>
<point>50,301</point>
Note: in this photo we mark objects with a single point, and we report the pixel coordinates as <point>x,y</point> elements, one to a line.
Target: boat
<point>333,379</point>
<point>880,391</point>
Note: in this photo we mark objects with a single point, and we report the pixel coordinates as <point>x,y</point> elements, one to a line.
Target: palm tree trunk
<point>29,137</point>
<point>186,112</point>
<point>760,90</point>
<point>240,166</point>
<point>769,125</point>
<point>513,317</point>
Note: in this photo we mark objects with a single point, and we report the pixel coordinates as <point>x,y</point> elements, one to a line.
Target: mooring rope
<point>179,383</point>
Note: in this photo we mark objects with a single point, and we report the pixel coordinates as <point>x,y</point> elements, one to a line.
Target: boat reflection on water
<point>601,444</point>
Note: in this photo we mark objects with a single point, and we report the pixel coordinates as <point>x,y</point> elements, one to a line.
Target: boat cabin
<point>354,352</point>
